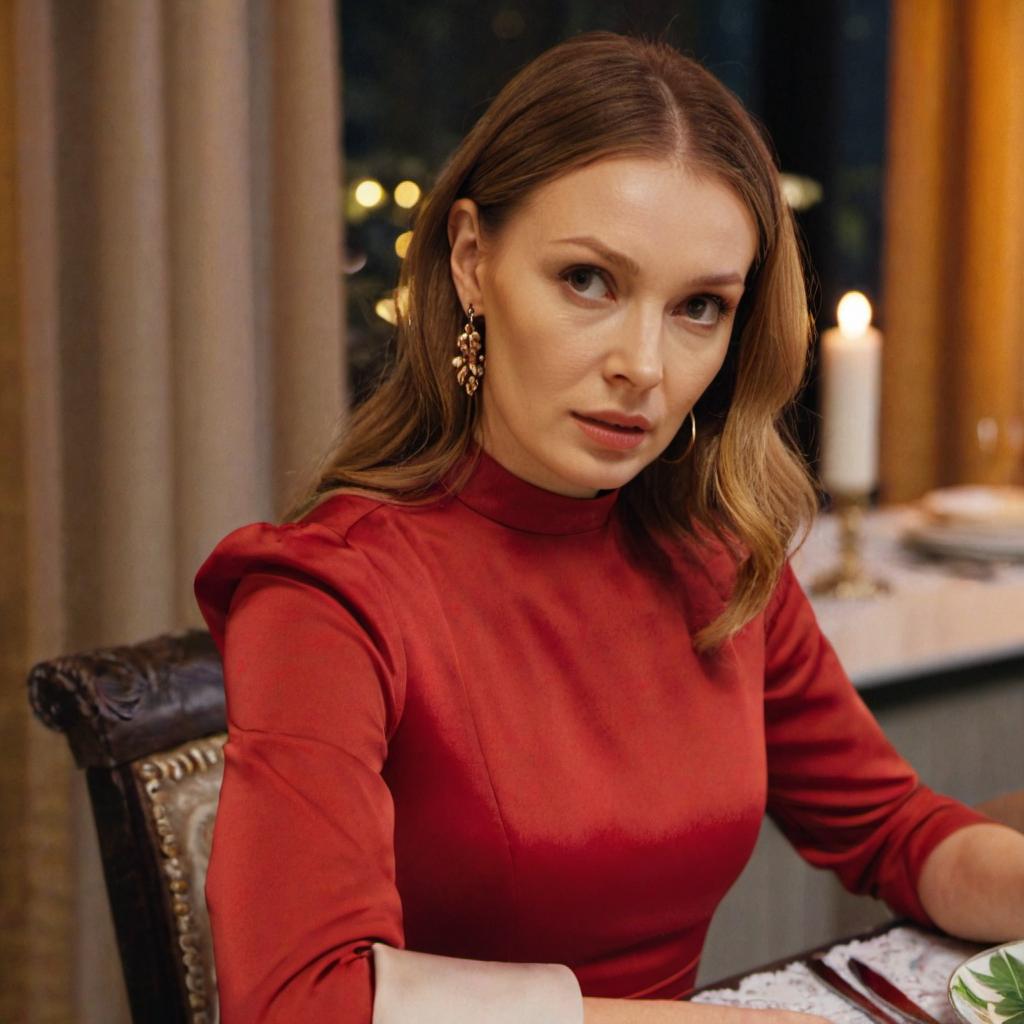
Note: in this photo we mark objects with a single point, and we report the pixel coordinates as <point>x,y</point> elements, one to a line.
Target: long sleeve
<point>836,787</point>
<point>301,884</point>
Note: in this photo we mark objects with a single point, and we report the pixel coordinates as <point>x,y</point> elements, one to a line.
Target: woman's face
<point>610,292</point>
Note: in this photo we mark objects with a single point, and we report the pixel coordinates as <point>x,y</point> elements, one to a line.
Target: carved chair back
<point>147,725</point>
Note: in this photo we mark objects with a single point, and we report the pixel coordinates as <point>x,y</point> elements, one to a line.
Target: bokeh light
<point>369,193</point>
<point>407,194</point>
<point>402,244</point>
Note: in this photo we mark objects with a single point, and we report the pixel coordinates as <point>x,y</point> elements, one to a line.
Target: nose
<point>636,354</point>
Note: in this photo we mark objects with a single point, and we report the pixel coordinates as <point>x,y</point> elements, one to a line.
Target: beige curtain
<point>170,252</point>
<point>953,401</point>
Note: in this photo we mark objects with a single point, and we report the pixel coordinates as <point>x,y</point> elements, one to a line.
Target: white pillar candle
<point>851,382</point>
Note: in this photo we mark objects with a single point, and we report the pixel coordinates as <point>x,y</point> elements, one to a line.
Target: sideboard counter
<point>939,615</point>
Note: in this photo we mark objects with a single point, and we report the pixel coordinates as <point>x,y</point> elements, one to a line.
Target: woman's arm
<point>837,787</point>
<point>303,904</point>
<point>972,883</point>
<point>664,1011</point>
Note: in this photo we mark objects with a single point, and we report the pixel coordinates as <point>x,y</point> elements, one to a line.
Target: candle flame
<point>854,314</point>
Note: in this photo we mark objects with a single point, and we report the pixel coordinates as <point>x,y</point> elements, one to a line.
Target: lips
<point>613,426</point>
<point>608,435</point>
<point>616,421</point>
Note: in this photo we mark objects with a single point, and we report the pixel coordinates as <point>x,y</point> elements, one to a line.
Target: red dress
<point>480,729</point>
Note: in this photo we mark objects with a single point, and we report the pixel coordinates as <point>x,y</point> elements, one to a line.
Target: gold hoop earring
<point>470,361</point>
<point>689,447</point>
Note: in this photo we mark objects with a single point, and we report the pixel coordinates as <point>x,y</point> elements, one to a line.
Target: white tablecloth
<point>917,962</point>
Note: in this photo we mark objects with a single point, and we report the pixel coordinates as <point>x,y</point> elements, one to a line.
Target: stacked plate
<point>971,522</point>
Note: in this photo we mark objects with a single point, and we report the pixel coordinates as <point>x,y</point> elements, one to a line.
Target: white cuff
<point>422,988</point>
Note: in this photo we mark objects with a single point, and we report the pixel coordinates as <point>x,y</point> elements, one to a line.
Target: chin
<point>595,473</point>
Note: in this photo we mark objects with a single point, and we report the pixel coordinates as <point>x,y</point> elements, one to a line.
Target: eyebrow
<point>622,260</point>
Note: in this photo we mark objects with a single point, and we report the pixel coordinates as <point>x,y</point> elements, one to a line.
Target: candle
<point>851,388</point>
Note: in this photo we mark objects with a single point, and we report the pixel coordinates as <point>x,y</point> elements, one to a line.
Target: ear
<point>465,238</point>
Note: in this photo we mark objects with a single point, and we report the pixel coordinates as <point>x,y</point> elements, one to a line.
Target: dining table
<point>916,960</point>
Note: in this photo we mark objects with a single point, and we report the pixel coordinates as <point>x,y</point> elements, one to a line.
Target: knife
<point>889,993</point>
<point>845,990</point>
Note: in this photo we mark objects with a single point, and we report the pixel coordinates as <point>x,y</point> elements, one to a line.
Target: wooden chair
<point>147,724</point>
<point>1007,809</point>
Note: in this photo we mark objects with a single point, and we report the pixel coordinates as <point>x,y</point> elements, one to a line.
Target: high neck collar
<point>500,495</point>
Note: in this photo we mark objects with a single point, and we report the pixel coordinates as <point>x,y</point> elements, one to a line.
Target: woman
<point>509,696</point>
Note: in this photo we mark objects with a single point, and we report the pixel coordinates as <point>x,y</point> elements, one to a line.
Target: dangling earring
<point>689,447</point>
<point>470,362</point>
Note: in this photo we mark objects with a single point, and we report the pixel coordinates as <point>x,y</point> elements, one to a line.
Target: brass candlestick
<point>849,579</point>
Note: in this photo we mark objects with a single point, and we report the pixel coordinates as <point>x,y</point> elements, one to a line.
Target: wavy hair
<point>744,487</point>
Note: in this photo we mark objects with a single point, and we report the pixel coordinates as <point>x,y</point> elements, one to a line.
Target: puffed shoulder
<point>308,551</point>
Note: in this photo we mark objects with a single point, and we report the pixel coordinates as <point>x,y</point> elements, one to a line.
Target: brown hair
<point>597,95</point>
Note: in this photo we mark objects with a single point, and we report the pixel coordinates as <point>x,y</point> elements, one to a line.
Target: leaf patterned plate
<point>989,987</point>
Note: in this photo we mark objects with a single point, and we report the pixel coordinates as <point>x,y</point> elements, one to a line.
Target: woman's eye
<point>589,282</point>
<point>704,309</point>
<point>586,281</point>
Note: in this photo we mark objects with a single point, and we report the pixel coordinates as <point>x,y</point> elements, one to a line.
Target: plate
<point>1001,506</point>
<point>964,542</point>
<point>988,987</point>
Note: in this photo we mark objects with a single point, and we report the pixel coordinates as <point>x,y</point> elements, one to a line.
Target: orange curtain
<point>953,395</point>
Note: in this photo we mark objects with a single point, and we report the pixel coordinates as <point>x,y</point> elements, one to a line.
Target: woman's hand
<point>972,884</point>
<point>665,1011</point>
